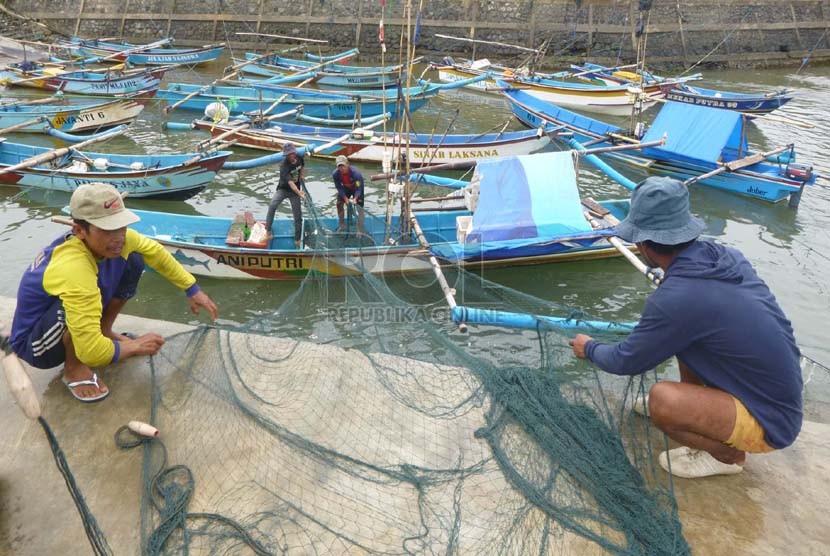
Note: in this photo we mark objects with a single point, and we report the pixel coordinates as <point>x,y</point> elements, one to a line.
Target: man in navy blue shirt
<point>349,184</point>
<point>740,379</point>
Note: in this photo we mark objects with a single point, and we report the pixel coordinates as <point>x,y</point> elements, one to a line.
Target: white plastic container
<point>463,226</point>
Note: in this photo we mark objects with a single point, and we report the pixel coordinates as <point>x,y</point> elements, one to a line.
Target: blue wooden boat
<point>602,98</point>
<point>543,223</point>
<point>145,57</point>
<point>333,75</point>
<point>700,141</point>
<point>741,102</point>
<point>142,176</point>
<point>107,83</point>
<point>315,103</point>
<point>71,118</point>
<point>370,146</point>
<point>748,103</point>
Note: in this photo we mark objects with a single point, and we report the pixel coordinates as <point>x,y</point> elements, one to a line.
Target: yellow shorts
<point>748,434</point>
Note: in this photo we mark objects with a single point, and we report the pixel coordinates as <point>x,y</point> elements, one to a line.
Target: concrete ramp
<point>778,505</point>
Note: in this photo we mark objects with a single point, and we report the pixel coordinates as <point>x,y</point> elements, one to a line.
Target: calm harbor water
<point>790,249</point>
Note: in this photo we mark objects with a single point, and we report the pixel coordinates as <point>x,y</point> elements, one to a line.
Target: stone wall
<point>730,32</point>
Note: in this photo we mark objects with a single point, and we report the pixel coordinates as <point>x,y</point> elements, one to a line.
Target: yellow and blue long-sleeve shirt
<point>68,270</point>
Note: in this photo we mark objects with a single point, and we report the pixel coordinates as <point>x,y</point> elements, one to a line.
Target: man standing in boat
<point>349,184</point>
<point>290,186</point>
<point>70,295</point>
<point>740,379</point>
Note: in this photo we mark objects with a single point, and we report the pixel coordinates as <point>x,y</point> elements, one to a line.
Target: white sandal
<point>91,382</point>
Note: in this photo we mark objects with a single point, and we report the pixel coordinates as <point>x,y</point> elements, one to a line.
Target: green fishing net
<point>357,419</point>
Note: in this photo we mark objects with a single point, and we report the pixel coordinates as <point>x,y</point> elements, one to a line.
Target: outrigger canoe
<point>747,103</point>
<point>143,176</point>
<point>333,75</point>
<point>315,103</point>
<point>608,99</point>
<point>71,118</point>
<point>705,145</point>
<point>107,83</point>
<point>370,146</point>
<point>144,57</point>
<point>543,222</point>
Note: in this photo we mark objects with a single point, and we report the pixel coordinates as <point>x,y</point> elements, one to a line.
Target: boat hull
<point>750,105</point>
<point>421,150</point>
<point>87,83</point>
<point>162,177</point>
<point>767,186</point>
<point>318,108</point>
<point>197,242</point>
<point>354,77</point>
<point>610,101</point>
<point>150,57</point>
<point>70,119</point>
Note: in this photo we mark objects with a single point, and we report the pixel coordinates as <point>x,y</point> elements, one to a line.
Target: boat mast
<point>405,122</point>
<point>641,38</point>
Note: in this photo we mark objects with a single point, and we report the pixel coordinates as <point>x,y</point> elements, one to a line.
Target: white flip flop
<point>91,382</point>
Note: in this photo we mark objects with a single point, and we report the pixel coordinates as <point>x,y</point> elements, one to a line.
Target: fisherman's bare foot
<point>81,372</point>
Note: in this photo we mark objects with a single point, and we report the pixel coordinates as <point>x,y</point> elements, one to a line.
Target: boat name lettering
<point>72,119</point>
<point>424,154</point>
<point>756,191</point>
<point>362,79</point>
<point>131,83</point>
<point>261,261</point>
<point>121,185</point>
<point>173,58</point>
<point>702,101</point>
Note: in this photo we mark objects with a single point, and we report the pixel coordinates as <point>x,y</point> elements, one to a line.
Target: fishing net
<point>356,418</point>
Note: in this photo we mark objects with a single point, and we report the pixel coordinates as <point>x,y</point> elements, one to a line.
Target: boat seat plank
<point>744,162</point>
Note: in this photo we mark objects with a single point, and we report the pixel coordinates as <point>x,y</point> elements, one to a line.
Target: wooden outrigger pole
<point>408,218</point>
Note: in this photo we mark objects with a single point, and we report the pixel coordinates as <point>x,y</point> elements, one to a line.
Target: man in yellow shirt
<point>70,295</point>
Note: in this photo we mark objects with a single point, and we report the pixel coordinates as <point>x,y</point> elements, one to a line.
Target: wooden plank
<point>746,161</point>
<point>596,208</point>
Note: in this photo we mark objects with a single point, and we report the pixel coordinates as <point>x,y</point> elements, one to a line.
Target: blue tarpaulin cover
<point>696,133</point>
<point>530,196</point>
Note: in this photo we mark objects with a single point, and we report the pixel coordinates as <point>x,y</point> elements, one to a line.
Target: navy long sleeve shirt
<point>717,316</point>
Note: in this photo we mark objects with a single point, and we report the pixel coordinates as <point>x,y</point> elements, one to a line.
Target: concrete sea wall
<point>730,32</point>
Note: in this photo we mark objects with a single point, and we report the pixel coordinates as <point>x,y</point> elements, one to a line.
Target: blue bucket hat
<point>660,213</point>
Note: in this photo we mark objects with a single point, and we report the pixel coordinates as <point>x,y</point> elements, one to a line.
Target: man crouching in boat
<point>740,380</point>
<point>71,294</point>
